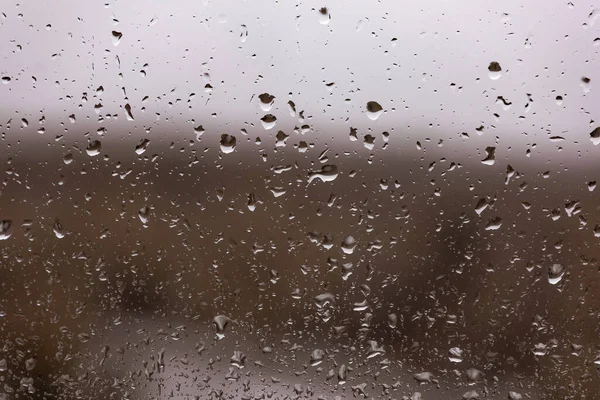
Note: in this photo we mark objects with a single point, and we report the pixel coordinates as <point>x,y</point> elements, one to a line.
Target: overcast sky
<point>424,65</point>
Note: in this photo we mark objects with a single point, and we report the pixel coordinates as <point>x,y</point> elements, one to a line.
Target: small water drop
<point>474,375</point>
<point>58,229</point>
<point>481,206</point>
<point>348,244</point>
<point>30,363</point>
<point>585,84</point>
<point>116,38</point>
<point>144,214</point>
<point>244,33</point>
<point>494,70</point>
<point>555,273</point>
<point>455,354</point>
<point>281,137</point>
<point>268,121</point>
<point>141,147</point>
<point>324,299</point>
<point>94,148</point>
<point>374,349</point>
<point>316,357</point>
<point>514,396</point>
<point>221,322</point>
<point>470,395</point>
<point>128,112</point>
<point>238,359</point>
<point>342,374</point>
<point>369,142</point>
<point>6,229</point>
<point>292,108</point>
<point>327,173</point>
<point>595,136</point>
<point>324,16</point>
<point>423,377</point>
<point>591,185</point>
<point>494,224</point>
<point>490,158</point>
<point>392,320</point>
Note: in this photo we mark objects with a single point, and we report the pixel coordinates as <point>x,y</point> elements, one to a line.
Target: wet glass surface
<point>255,200</point>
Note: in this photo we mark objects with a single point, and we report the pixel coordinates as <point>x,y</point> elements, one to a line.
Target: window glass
<point>287,200</point>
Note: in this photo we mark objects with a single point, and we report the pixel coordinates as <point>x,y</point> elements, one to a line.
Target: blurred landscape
<point>284,201</point>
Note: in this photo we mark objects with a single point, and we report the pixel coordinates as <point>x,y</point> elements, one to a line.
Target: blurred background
<point>244,199</point>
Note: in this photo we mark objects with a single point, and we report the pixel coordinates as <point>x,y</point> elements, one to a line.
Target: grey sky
<point>544,49</point>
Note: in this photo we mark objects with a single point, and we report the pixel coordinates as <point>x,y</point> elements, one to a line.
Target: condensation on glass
<point>287,200</point>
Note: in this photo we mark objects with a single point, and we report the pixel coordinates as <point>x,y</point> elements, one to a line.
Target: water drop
<point>128,112</point>
<point>591,185</point>
<point>58,229</point>
<point>473,375</point>
<point>94,148</point>
<point>423,377</point>
<point>316,357</point>
<point>228,143</point>
<point>470,395</point>
<point>455,354</point>
<point>281,137</point>
<point>244,33</point>
<point>324,299</point>
<point>585,84</point>
<point>252,202</point>
<point>238,359</point>
<point>494,224</point>
<point>30,363</point>
<point>374,349</point>
<point>494,70</point>
<point>342,374</point>
<point>6,229</point>
<point>277,191</point>
<point>327,173</point>
<point>481,206</point>
<point>266,101</point>
<point>221,322</point>
<point>324,16</point>
<point>292,108</point>
<point>116,38</point>
<point>144,214</point>
<point>555,273</point>
<point>490,158</point>
<point>348,244</point>
<point>141,147</point>
<point>268,121</point>
<point>199,131</point>
<point>392,320</point>
<point>369,142</point>
<point>595,136</point>
<point>374,110</point>
<point>514,396</point>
